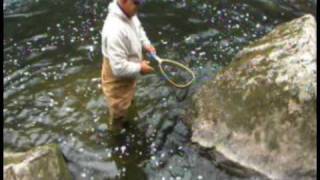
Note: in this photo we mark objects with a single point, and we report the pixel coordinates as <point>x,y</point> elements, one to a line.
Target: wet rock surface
<point>177,158</point>
<point>262,108</point>
<point>39,163</point>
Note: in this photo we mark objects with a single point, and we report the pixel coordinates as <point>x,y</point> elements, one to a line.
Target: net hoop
<point>178,65</point>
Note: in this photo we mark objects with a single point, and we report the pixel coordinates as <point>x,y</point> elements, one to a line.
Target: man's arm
<point>143,37</point>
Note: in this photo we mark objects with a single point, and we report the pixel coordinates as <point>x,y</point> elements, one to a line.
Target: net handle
<point>153,56</point>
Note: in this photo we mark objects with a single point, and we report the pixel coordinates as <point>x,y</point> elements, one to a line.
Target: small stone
<point>102,128</point>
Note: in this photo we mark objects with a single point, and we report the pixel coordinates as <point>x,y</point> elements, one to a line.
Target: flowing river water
<point>52,93</point>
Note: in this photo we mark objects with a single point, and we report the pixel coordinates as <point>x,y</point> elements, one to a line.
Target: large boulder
<point>45,162</point>
<point>261,110</point>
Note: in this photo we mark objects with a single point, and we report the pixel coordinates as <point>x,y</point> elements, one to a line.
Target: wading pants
<point>119,93</point>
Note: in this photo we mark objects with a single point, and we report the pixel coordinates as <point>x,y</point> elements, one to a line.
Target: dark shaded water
<point>52,92</point>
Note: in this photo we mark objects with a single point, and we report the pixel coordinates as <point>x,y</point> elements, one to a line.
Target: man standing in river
<point>123,38</point>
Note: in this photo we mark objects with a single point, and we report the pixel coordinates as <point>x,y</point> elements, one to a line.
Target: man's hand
<point>146,68</point>
<point>150,49</point>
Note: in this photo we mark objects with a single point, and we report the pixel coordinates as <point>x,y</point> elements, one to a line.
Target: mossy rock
<point>260,111</point>
<point>44,162</point>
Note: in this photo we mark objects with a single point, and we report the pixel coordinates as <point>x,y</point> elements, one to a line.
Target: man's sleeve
<point>118,58</point>
<point>142,34</point>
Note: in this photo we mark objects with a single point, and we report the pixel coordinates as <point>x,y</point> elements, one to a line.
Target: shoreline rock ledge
<point>260,111</point>
<point>43,162</point>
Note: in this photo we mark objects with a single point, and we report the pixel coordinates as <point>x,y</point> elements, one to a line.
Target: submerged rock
<point>179,159</point>
<point>45,162</point>
<point>260,111</point>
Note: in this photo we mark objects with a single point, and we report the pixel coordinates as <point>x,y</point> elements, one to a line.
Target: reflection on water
<point>52,64</point>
